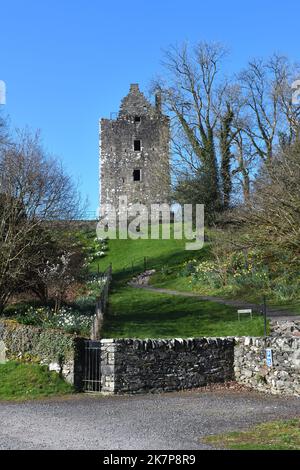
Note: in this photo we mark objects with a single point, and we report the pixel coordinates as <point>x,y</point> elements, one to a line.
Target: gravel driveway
<point>171,421</point>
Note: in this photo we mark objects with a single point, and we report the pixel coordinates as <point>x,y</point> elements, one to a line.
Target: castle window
<point>137,118</point>
<point>136,175</point>
<point>137,145</point>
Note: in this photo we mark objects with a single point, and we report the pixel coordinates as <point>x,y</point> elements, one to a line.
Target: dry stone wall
<point>141,366</point>
<point>137,366</point>
<point>281,377</point>
<point>61,352</point>
<point>290,328</point>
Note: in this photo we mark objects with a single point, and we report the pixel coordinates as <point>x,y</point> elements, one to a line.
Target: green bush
<point>285,290</point>
<point>254,278</point>
<point>207,272</point>
<point>188,269</point>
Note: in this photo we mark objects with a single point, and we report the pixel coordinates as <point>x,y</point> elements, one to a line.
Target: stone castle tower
<point>134,153</point>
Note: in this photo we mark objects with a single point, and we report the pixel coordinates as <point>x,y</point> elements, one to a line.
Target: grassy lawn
<point>135,313</point>
<point>143,314</point>
<point>19,381</point>
<point>171,280</point>
<point>278,435</point>
<point>127,256</point>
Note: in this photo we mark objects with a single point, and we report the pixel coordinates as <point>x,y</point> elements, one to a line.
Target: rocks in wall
<point>139,366</point>
<point>58,350</point>
<point>142,279</point>
<point>285,328</point>
<point>3,350</point>
<point>280,377</point>
<point>135,154</point>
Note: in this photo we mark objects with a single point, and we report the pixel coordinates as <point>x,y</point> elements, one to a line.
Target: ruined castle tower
<point>134,153</point>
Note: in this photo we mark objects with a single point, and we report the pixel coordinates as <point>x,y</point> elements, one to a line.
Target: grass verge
<point>20,381</point>
<point>278,435</point>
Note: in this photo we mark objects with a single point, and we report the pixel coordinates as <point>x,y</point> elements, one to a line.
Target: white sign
<point>269,357</point>
<point>244,311</point>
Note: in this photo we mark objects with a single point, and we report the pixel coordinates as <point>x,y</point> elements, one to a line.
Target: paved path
<point>174,421</point>
<point>276,313</point>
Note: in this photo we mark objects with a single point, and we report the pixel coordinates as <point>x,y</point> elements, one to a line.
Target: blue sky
<point>66,63</point>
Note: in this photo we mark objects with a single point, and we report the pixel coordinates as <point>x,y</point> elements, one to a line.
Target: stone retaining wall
<point>136,366</point>
<point>140,366</point>
<point>285,328</point>
<point>60,351</point>
<point>250,365</point>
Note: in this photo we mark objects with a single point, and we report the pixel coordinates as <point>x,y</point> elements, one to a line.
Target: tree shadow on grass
<point>136,313</point>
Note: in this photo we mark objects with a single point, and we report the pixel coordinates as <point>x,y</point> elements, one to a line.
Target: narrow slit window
<point>136,175</point>
<point>137,145</point>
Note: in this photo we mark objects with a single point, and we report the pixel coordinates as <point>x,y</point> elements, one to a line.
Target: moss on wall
<point>43,345</point>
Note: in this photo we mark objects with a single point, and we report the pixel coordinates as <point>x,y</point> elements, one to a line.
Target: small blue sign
<point>269,357</point>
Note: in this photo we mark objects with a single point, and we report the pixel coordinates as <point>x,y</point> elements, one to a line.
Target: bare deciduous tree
<point>194,97</point>
<point>35,191</point>
<point>273,210</point>
<point>268,111</point>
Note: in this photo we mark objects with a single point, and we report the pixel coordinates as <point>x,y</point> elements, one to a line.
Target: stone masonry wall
<point>251,369</point>
<point>287,328</point>
<point>137,366</point>
<point>137,120</point>
<point>60,351</point>
<point>140,366</point>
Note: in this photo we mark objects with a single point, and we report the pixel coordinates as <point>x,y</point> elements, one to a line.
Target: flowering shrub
<point>95,284</point>
<point>207,272</point>
<point>95,250</point>
<point>237,269</point>
<point>286,289</point>
<point>65,318</point>
<point>188,268</point>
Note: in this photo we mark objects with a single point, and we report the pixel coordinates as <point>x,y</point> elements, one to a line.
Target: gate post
<point>79,345</point>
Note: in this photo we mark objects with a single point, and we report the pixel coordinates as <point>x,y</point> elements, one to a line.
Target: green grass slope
<point>19,381</point>
<point>127,256</point>
<point>278,435</point>
<point>137,313</point>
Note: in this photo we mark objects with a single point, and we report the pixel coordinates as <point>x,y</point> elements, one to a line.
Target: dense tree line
<point>225,129</point>
<point>236,149</point>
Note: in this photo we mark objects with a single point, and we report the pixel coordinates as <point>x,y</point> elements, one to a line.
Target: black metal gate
<point>92,366</point>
